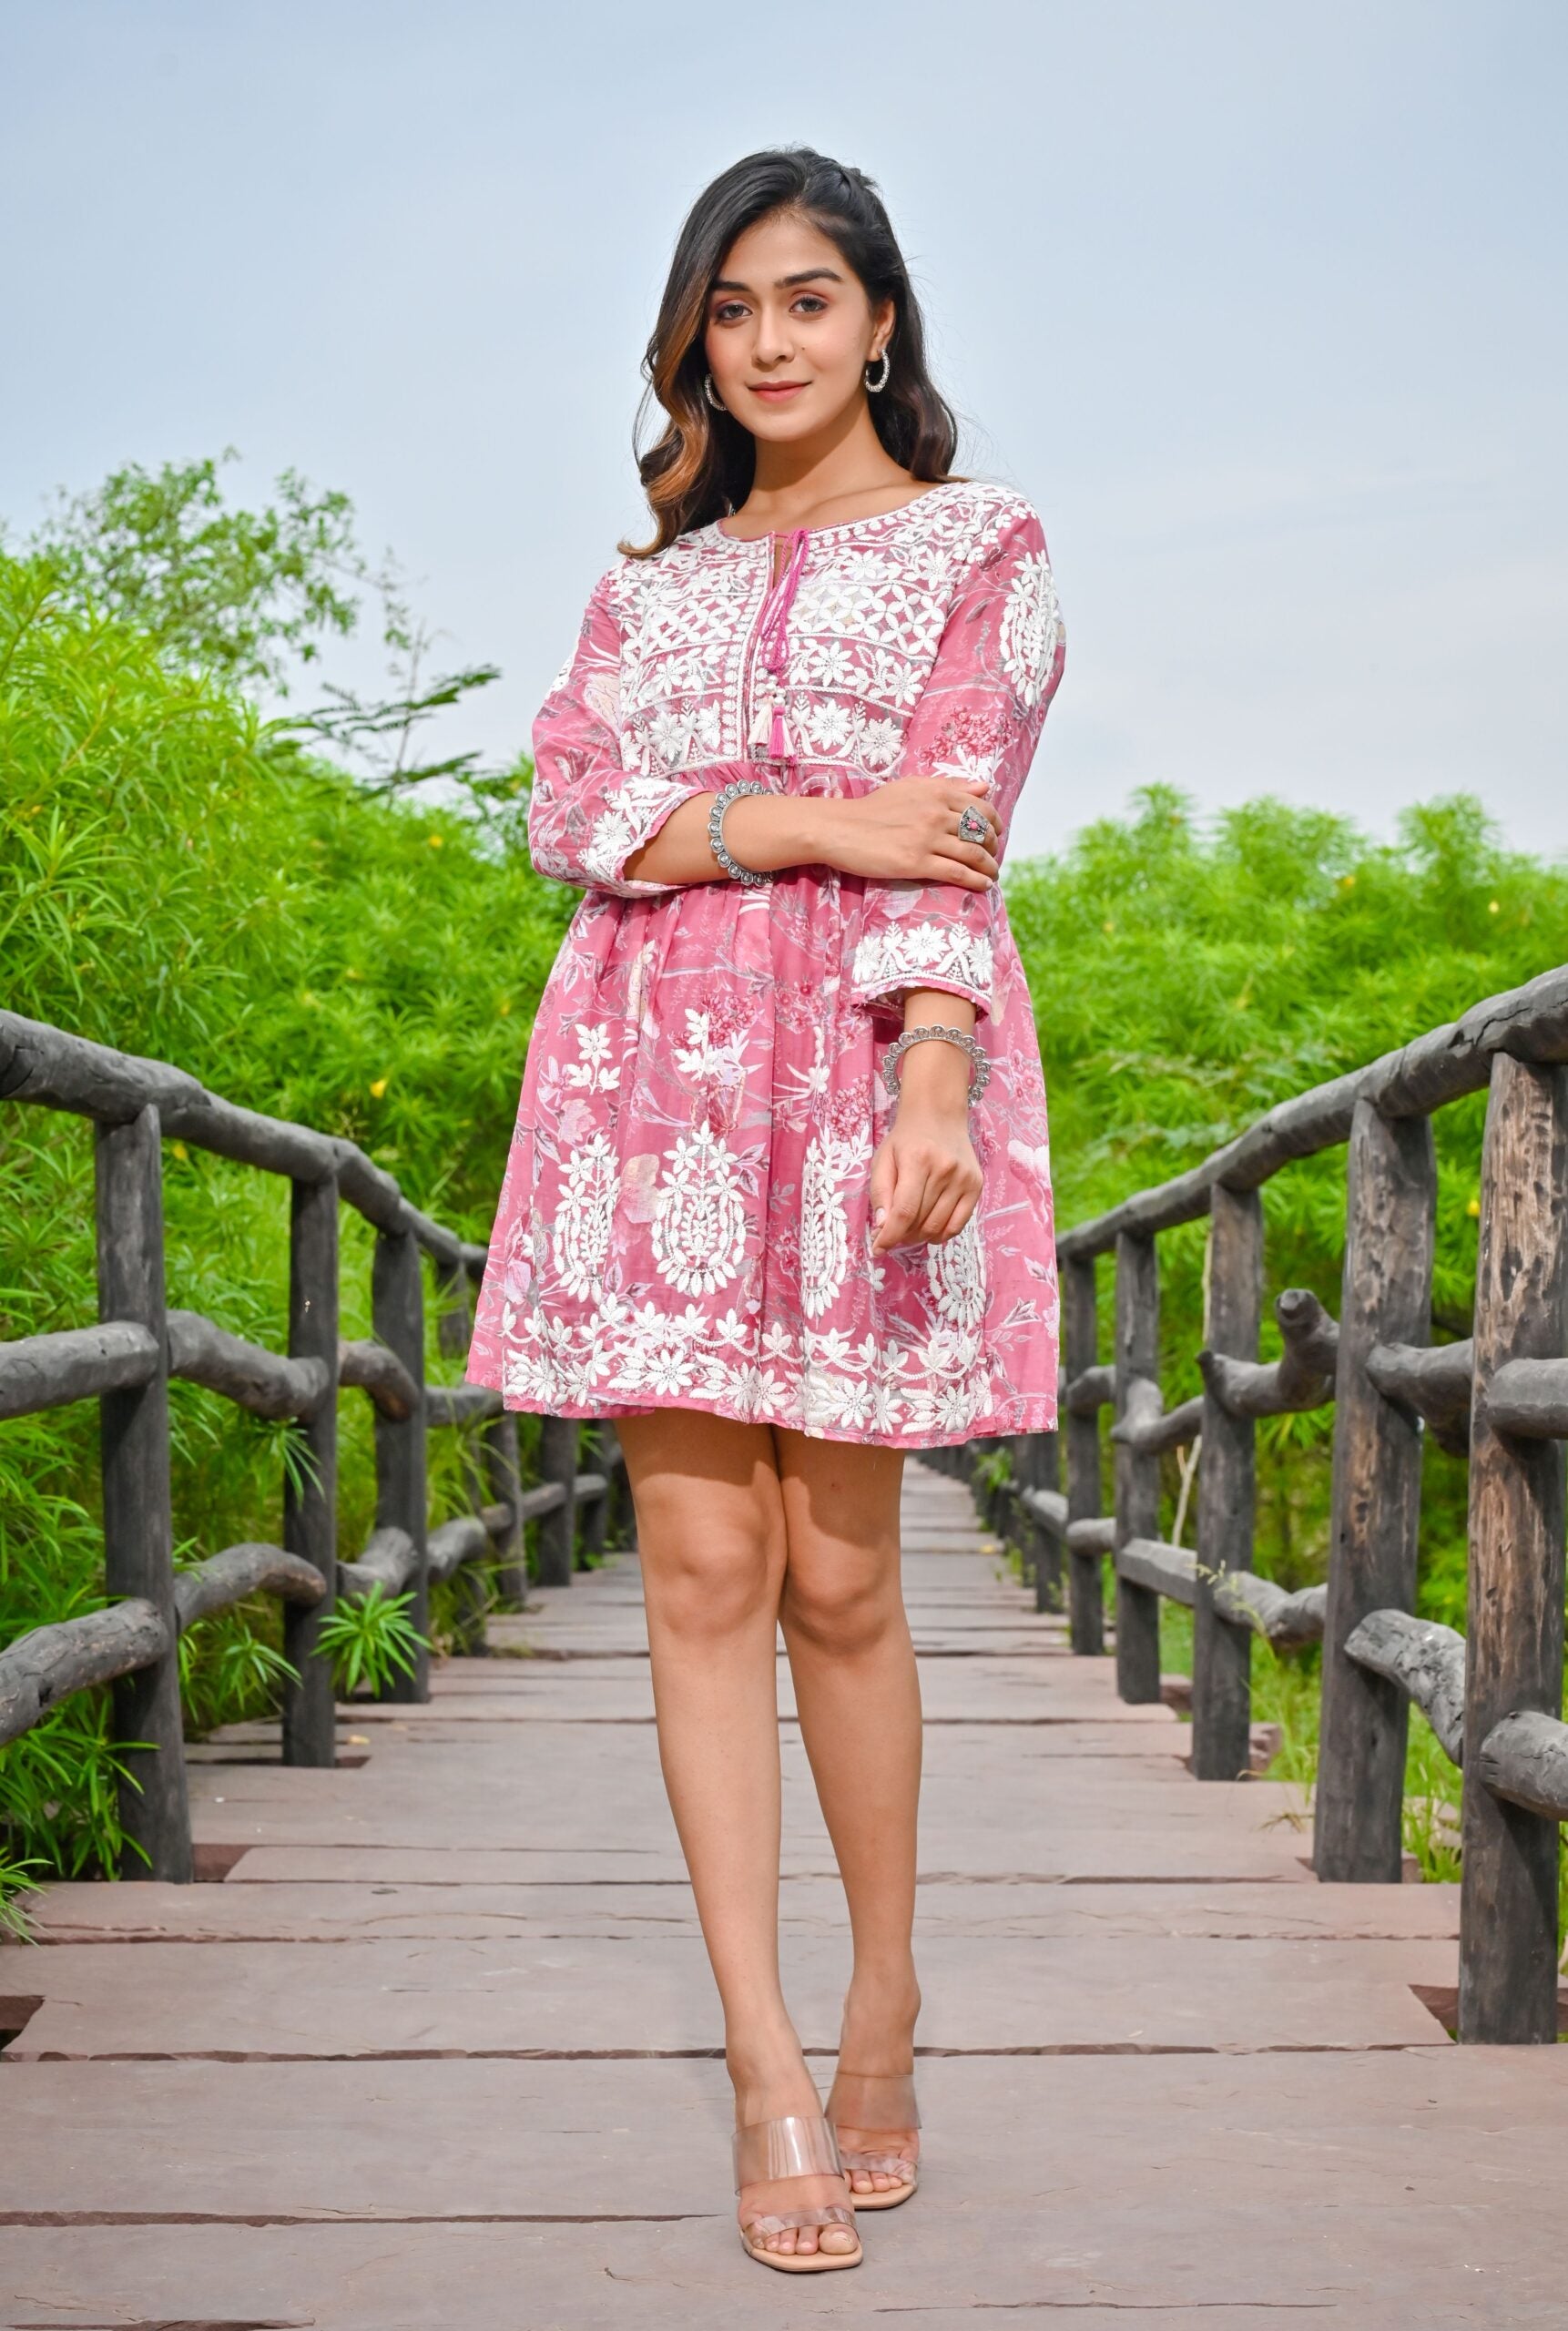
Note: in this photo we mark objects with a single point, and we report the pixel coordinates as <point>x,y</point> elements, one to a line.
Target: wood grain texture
<point>139,1526</point>
<point>265,1382</point>
<point>369,1367</point>
<point>1080,1332</point>
<point>1138,1476</point>
<point>558,1528</point>
<point>397,1315</point>
<point>250,1568</point>
<point>310,1486</point>
<point>1530,1398</point>
<point>40,1372</point>
<point>1376,1499</point>
<point>42,1667</point>
<point>1227,1496</point>
<point>1164,1569</point>
<point>1435,1383</point>
<point>1507,1913</point>
<point>1425,1659</point>
<point>1301,1378</point>
<point>1525,1759</point>
<point>1290,1621</point>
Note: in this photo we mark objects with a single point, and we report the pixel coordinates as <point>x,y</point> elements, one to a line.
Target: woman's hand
<point>925,1178</point>
<point>907,830</point>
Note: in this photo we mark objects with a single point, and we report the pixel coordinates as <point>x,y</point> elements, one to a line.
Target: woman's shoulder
<point>986,513</point>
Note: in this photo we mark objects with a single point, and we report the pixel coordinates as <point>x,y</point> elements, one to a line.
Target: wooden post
<point>1513,1639</point>
<point>623,1521</point>
<point>597,1511</point>
<point>1079,1349</point>
<point>1376,1500</point>
<point>559,1530</point>
<point>139,1526</point>
<point>310,1487</point>
<point>454,1320</point>
<point>503,1478</point>
<point>397,1313</point>
<point>1138,1476</point>
<point>1037,1459</point>
<point>1226,1496</point>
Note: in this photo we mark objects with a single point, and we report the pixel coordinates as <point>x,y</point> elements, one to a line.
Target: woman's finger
<point>904,1209</point>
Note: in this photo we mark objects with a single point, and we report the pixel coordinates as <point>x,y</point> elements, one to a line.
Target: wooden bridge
<point>437,2048</point>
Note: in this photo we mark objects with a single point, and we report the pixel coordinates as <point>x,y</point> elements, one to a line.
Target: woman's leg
<point>859,1698</point>
<point>710,1532</point>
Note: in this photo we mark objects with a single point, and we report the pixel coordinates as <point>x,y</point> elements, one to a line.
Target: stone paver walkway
<point>438,2052</point>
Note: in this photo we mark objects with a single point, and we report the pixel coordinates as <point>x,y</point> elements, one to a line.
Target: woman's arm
<point>903,831</point>
<point>925,1176</point>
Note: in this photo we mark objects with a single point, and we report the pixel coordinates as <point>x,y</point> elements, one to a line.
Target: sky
<point>1263,307</point>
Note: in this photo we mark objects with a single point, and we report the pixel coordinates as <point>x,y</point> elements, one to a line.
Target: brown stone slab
<point>510,1995</point>
<point>299,1910</point>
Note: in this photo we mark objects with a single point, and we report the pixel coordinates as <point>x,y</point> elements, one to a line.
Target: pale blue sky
<point>1263,306</point>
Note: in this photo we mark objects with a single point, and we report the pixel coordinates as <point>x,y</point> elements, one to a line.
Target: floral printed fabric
<point>685,1216</point>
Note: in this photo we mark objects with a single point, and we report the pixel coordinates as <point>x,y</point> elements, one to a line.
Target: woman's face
<point>791,329</point>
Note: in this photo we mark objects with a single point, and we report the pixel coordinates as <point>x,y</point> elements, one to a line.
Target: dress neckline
<point>714,530</point>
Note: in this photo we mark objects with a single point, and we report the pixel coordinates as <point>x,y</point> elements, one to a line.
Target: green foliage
<point>16,1881</point>
<point>370,1641</point>
<point>236,593</point>
<point>1186,975</point>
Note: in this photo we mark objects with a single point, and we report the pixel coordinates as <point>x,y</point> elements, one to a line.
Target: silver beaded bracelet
<point>721,802</point>
<point>979,1065</point>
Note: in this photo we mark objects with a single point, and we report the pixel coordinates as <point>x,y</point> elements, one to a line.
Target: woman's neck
<point>840,473</point>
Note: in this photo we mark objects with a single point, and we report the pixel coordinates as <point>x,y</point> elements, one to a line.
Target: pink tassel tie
<point>773,643</point>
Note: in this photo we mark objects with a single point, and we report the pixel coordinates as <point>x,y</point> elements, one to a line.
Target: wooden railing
<point>1494,1695</point>
<point>125,1361</point>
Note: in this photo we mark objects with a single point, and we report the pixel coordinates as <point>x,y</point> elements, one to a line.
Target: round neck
<point>715,526</point>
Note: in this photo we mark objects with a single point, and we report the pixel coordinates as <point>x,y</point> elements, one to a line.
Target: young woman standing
<point>779,1200</point>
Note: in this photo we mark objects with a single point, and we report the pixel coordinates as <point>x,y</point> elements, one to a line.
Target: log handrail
<point>127,1360</point>
<point>1499,1398</point>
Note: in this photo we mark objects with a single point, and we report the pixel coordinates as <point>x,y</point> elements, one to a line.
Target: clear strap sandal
<point>876,2102</point>
<point>800,2146</point>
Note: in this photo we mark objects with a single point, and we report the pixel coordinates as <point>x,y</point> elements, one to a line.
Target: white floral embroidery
<point>595,1071</point>
<point>700,1230</point>
<point>587,1215</point>
<point>896,955</point>
<point>956,1273</point>
<point>825,1230</point>
<point>1031,628</point>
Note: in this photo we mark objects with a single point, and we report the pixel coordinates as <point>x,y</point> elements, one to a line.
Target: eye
<point>729,311</point>
<point>811,303</point>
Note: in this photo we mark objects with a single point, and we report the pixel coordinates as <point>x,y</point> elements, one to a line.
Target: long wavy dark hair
<point>701,466</point>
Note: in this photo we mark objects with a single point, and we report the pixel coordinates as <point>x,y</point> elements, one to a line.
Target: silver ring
<point>971,826</point>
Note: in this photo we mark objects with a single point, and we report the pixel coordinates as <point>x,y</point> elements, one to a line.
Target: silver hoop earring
<point>875,388</point>
<point>714,400</point>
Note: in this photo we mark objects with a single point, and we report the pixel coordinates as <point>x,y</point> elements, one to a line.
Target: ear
<point>883,317</point>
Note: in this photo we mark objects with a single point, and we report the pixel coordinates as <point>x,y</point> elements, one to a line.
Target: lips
<point>776,391</point>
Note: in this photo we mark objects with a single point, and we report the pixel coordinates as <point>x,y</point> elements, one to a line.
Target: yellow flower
<point>181,1151</point>
<point>379,1087</point>
<point>504,1007</point>
<point>435,841</point>
<point>1495,907</point>
<point>1473,1209</point>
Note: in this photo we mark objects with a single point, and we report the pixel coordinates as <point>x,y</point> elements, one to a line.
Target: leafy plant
<point>370,1641</point>
<point>16,1881</point>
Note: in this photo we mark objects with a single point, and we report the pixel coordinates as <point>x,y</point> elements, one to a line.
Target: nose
<point>775,342</point>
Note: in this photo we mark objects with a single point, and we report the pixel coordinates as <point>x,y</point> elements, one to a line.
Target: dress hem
<point>1040,1415</point>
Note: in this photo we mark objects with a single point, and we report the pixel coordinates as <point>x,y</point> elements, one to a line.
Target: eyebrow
<point>788,282</point>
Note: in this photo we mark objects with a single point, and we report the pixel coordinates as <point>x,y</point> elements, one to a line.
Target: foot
<point>878,2036</point>
<point>777,2090</point>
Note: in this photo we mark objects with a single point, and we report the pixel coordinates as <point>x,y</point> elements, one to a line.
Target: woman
<point>756,1209</point>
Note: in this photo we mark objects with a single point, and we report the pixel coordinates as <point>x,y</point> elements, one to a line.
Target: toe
<point>837,2239</point>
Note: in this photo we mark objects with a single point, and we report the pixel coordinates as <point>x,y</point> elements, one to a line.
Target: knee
<point>705,1583</point>
<point>838,1604</point>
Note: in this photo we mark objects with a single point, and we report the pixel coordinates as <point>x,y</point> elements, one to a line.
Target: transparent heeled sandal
<point>800,2146</point>
<point>875,2102</point>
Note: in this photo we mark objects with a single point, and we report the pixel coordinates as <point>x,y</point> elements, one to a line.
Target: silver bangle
<point>979,1065</point>
<point>721,802</point>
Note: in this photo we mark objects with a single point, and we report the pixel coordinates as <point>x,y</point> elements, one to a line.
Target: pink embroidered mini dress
<point>685,1218</point>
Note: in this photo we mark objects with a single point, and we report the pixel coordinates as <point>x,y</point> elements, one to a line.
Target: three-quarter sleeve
<point>996,669</point>
<point>588,811</point>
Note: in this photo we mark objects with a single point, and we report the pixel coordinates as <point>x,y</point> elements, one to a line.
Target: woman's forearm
<point>766,831</point>
<point>936,1075</point>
